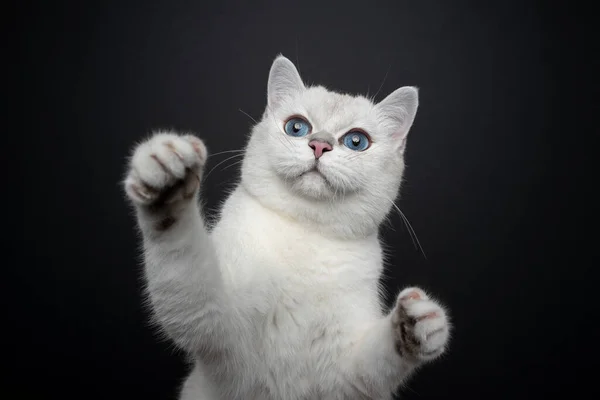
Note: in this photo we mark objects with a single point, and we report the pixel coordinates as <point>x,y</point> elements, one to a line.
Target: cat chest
<point>300,343</point>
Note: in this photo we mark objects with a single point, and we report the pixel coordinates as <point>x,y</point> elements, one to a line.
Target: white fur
<point>280,300</point>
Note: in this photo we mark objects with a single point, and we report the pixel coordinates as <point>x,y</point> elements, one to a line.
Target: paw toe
<point>200,151</point>
<point>423,309</point>
<point>147,167</point>
<point>139,192</point>
<point>426,328</point>
<point>170,159</point>
<point>410,294</point>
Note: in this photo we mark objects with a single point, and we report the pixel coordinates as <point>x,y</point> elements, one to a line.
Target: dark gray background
<point>492,188</point>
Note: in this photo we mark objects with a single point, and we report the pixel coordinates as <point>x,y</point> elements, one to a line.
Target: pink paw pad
<point>411,296</point>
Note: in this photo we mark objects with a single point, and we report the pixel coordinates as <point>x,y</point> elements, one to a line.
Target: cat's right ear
<point>284,82</point>
<point>398,110</point>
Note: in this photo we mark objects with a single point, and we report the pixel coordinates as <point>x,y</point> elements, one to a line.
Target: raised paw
<point>165,169</point>
<point>421,326</point>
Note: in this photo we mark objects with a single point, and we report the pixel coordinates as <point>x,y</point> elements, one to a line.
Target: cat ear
<point>398,110</point>
<point>284,81</point>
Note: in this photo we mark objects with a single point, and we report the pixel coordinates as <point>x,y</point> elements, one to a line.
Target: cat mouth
<point>313,170</point>
<point>316,171</point>
<point>311,182</point>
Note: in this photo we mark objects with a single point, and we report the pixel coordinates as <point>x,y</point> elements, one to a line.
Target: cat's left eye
<point>356,140</point>
<point>297,126</point>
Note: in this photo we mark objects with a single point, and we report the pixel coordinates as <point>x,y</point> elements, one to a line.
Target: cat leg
<point>415,332</point>
<point>183,278</point>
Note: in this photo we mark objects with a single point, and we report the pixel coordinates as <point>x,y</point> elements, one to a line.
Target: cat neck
<point>321,218</point>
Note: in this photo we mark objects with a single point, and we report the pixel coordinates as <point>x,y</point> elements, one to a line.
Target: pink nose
<point>319,147</point>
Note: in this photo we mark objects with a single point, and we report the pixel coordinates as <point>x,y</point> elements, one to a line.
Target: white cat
<point>280,299</point>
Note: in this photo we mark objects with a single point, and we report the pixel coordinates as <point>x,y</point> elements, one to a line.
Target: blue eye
<point>356,141</point>
<point>297,127</point>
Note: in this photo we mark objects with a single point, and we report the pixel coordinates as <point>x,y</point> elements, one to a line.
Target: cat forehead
<point>331,108</point>
<point>333,102</point>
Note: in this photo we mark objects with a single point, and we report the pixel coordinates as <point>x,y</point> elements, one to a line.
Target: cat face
<point>316,151</point>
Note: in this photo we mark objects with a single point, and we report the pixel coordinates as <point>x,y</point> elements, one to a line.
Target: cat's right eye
<point>297,126</point>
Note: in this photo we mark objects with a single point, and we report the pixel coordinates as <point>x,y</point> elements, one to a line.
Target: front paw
<point>166,169</point>
<point>421,326</point>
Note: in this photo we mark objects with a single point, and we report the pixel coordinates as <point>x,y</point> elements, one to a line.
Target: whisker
<point>226,151</point>
<point>279,129</point>
<point>256,122</point>
<point>248,115</point>
<point>412,238</point>
<point>297,58</point>
<point>228,166</point>
<point>411,231</point>
<point>409,388</point>
<point>384,78</point>
<point>225,160</point>
<point>285,142</point>
<point>351,157</point>
<point>232,164</point>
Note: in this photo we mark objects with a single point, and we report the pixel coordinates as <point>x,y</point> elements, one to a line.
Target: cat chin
<point>313,185</point>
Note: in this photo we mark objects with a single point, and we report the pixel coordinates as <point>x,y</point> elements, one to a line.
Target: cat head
<point>333,160</point>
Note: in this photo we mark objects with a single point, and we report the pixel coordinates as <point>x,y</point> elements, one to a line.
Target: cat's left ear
<point>284,82</point>
<point>398,111</point>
